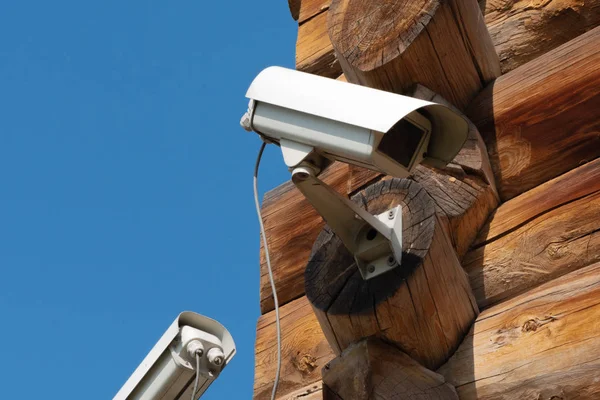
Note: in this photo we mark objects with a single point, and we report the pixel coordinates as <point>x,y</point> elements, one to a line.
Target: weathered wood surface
<point>371,369</point>
<point>543,118</point>
<point>392,46</point>
<point>304,352</point>
<point>543,344</point>
<point>291,225</point>
<point>538,236</point>
<point>521,31</point>
<point>524,30</point>
<point>424,306</point>
<point>312,49</point>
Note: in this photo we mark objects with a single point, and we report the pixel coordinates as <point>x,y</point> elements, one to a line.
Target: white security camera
<point>169,371</point>
<point>316,120</point>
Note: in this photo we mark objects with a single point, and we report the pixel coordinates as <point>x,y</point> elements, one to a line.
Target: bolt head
<point>391,261</point>
<point>301,176</point>
<point>391,214</point>
<point>371,268</point>
<point>218,361</point>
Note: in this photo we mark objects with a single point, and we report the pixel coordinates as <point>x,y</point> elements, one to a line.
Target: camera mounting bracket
<point>374,241</point>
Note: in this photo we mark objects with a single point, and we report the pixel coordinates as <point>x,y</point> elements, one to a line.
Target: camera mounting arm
<point>374,241</point>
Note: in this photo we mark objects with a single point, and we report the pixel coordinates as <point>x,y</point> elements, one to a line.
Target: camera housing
<point>341,121</point>
<point>169,369</point>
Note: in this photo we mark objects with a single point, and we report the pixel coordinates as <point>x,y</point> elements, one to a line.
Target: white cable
<point>275,301</point>
<point>197,375</point>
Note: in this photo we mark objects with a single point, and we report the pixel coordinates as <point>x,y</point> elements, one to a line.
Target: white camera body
<point>371,128</point>
<point>169,370</point>
<point>316,120</point>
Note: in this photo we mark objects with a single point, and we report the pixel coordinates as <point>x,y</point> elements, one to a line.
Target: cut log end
<point>332,273</point>
<point>424,306</point>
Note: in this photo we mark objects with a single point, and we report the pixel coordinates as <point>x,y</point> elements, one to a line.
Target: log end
<point>371,33</point>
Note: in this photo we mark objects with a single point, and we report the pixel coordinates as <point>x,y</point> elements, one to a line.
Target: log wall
<point>534,266</point>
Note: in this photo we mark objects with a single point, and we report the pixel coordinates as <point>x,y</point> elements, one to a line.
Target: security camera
<point>192,352</point>
<point>316,120</point>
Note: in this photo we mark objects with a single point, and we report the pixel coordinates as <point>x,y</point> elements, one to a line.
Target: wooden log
<point>523,31</point>
<point>371,369</point>
<point>291,225</point>
<point>313,49</point>
<point>520,31</point>
<point>543,344</point>
<point>424,306</point>
<point>392,46</point>
<point>304,352</point>
<point>542,119</point>
<point>542,234</point>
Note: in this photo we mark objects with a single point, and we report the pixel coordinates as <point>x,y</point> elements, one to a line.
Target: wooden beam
<point>313,53</point>
<point>424,306</point>
<point>542,119</point>
<point>371,369</point>
<point>523,31</point>
<point>394,45</point>
<point>543,344</point>
<point>544,233</point>
<point>305,352</point>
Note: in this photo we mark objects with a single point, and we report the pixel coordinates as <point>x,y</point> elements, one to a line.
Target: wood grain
<point>304,351</point>
<point>543,344</point>
<point>520,31</point>
<point>303,10</point>
<point>542,119</point>
<point>524,30</point>
<point>394,45</point>
<point>571,186</point>
<point>313,49</point>
<point>424,306</point>
<point>371,369</point>
<point>538,236</point>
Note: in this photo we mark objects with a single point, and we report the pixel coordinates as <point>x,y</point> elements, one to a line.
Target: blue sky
<point>126,184</point>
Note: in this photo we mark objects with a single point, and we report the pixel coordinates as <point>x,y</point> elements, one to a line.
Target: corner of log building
<point>498,294</point>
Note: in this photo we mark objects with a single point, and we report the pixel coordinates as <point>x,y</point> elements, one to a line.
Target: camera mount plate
<point>374,241</point>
